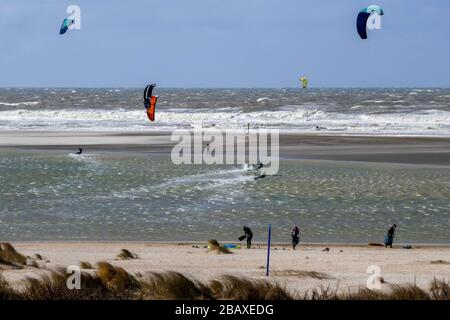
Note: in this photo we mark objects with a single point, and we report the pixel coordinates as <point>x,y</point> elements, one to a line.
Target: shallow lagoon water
<point>58,196</point>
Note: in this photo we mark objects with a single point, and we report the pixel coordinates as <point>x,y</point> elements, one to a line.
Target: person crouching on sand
<point>247,234</point>
<point>295,235</point>
<point>390,236</point>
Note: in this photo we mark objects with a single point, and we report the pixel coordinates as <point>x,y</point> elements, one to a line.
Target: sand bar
<point>411,150</point>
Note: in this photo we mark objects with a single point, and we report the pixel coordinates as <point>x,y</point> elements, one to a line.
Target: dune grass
<point>126,255</point>
<point>214,246</point>
<point>9,255</point>
<point>237,288</point>
<point>110,282</point>
<point>439,262</point>
<point>85,265</point>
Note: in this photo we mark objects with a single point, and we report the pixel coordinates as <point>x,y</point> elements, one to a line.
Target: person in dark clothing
<point>80,151</point>
<point>260,177</point>
<point>247,234</point>
<point>390,236</point>
<point>295,235</point>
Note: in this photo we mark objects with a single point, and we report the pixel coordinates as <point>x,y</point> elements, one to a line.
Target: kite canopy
<point>363,16</point>
<point>304,82</point>
<point>65,25</point>
<point>150,101</point>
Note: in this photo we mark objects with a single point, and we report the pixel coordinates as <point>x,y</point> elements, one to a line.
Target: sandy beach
<point>343,267</point>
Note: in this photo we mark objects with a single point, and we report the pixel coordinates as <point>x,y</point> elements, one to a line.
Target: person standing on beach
<point>247,234</point>
<point>390,236</point>
<point>295,235</point>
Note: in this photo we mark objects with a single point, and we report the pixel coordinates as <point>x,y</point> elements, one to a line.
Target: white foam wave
<point>24,103</point>
<point>432,121</point>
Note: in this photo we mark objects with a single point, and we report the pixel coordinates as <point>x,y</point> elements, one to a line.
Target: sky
<point>218,43</point>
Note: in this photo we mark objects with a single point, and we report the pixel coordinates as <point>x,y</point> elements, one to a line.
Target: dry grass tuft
<point>407,292</point>
<point>126,255</point>
<point>440,290</point>
<point>53,286</point>
<point>85,265</point>
<point>32,263</point>
<point>116,278</point>
<point>6,291</point>
<point>215,246</point>
<point>37,256</point>
<point>301,274</point>
<point>236,288</point>
<point>9,255</point>
<point>173,286</point>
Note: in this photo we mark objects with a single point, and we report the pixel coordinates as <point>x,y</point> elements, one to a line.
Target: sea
<point>335,111</point>
<point>114,196</point>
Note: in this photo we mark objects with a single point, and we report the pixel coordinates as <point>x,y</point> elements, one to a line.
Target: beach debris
<point>375,244</point>
<point>115,277</point>
<point>32,263</point>
<point>326,250</point>
<point>232,246</point>
<point>407,247</point>
<point>439,262</point>
<point>301,274</point>
<point>341,250</point>
<point>150,101</point>
<point>37,256</point>
<point>126,255</point>
<point>363,17</point>
<point>214,246</point>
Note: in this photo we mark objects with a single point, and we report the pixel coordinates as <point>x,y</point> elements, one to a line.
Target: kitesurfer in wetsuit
<point>260,175</point>
<point>295,235</point>
<point>80,151</point>
<point>390,236</point>
<point>247,234</point>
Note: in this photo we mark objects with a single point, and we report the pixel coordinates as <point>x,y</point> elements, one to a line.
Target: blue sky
<point>218,43</point>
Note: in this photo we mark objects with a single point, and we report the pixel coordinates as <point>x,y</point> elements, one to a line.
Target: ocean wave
<point>24,103</point>
<point>291,118</point>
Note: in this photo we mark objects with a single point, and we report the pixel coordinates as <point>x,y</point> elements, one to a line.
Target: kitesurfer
<point>389,239</point>
<point>80,151</point>
<point>295,236</point>
<point>150,101</point>
<point>259,166</point>
<point>247,234</point>
<point>261,176</point>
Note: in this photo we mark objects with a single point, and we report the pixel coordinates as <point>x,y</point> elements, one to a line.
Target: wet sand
<point>410,150</point>
<point>342,267</point>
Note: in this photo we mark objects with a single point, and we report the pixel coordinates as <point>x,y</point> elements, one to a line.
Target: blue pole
<point>268,251</point>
